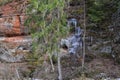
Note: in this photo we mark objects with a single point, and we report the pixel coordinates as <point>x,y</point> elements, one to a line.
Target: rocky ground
<point>98,62</point>
<point>97,66</point>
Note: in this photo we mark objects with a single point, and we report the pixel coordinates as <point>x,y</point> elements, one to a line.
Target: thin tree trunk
<point>83,60</point>
<point>51,61</point>
<point>59,68</point>
<point>58,54</point>
<point>17,73</point>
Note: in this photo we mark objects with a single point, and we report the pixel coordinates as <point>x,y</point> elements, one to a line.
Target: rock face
<point>14,49</point>
<point>75,10</point>
<point>116,36</point>
<point>14,39</point>
<point>6,54</point>
<point>12,19</point>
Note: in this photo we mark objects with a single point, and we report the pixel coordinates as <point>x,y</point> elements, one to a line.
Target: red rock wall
<point>12,19</point>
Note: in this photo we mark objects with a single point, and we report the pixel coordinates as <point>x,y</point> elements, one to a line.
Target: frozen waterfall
<point>74,41</point>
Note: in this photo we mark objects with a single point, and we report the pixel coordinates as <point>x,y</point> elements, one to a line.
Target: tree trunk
<point>59,68</point>
<point>83,60</point>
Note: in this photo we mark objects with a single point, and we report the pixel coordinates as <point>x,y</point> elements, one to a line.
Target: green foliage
<point>95,11</point>
<point>100,11</point>
<point>48,23</point>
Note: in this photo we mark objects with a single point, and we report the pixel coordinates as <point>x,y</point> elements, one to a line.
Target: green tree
<point>47,21</point>
<point>100,11</point>
<point>99,17</point>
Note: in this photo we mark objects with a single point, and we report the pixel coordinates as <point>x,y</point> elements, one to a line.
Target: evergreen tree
<point>100,11</point>
<point>48,25</point>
